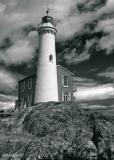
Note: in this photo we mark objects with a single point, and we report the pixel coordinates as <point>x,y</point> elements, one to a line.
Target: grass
<point>50,128</point>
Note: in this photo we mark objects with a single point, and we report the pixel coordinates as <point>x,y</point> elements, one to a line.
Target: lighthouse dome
<point>47,19</point>
<point>47,22</point>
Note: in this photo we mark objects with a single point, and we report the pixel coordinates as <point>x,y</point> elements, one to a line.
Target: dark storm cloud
<point>6,43</point>
<point>90,52</point>
<point>19,47</point>
<point>29,28</point>
<point>5,98</point>
<point>106,16</point>
<point>95,32</point>
<point>8,80</point>
<point>90,5</point>
<point>83,82</point>
<point>107,73</point>
<point>82,45</point>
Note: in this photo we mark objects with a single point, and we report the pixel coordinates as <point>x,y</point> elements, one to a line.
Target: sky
<point>84,44</point>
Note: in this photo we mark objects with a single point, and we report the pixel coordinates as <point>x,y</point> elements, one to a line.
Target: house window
<point>50,58</point>
<point>69,96</point>
<point>22,101</point>
<point>65,81</point>
<point>30,83</point>
<point>23,86</point>
<point>66,96</point>
<point>29,100</point>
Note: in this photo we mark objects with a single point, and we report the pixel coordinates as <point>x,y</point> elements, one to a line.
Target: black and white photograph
<point>56,79</point>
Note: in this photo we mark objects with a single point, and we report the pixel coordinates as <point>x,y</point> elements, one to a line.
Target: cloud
<point>28,12</point>
<point>74,58</point>
<point>96,106</point>
<point>2,8</point>
<point>90,5</point>
<point>6,43</point>
<point>103,29</point>
<point>8,81</point>
<point>81,47</point>
<point>108,8</point>
<point>108,73</point>
<point>61,9</point>
<point>22,13</point>
<point>107,42</point>
<point>7,98</point>
<point>106,23</point>
<point>20,52</point>
<point>7,105</point>
<point>97,92</point>
<point>10,20</point>
<point>84,82</point>
<point>7,102</point>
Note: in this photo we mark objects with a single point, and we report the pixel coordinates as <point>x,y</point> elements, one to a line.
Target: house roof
<point>65,69</point>
<point>27,77</point>
<point>35,73</point>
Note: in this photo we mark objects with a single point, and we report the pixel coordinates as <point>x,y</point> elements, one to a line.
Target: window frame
<point>65,82</point>
<point>29,99</point>
<point>30,83</point>
<point>23,86</point>
<point>51,58</point>
<point>22,100</point>
<point>65,96</point>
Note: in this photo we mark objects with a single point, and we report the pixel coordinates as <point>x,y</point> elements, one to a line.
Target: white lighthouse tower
<point>46,81</point>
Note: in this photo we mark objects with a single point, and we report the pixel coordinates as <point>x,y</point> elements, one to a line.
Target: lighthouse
<point>46,78</point>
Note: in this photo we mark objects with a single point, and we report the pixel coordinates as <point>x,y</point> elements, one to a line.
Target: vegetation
<point>56,131</point>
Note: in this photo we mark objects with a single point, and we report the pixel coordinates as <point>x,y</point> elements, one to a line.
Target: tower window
<point>50,58</point>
